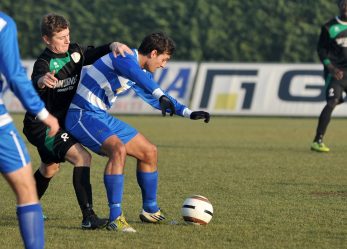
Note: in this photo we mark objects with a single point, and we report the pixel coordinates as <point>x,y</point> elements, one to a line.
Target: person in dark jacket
<point>55,76</point>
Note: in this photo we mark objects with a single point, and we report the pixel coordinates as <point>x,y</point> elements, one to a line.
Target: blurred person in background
<point>55,76</point>
<point>332,51</point>
<point>15,163</point>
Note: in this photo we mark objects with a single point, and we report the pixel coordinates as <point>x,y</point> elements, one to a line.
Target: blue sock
<point>148,182</point>
<point>114,189</point>
<point>31,225</point>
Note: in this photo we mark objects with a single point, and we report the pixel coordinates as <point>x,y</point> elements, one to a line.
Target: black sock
<point>41,183</point>
<point>318,138</point>
<point>83,189</point>
<point>323,122</point>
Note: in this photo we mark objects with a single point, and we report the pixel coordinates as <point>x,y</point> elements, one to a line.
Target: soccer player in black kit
<point>55,76</point>
<point>332,51</point>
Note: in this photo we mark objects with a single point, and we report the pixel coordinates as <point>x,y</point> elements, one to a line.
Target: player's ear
<point>45,39</point>
<point>154,53</point>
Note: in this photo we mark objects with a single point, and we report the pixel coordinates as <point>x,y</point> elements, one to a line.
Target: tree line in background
<point>204,30</point>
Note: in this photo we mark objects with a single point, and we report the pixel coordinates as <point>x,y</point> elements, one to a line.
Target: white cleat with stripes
<point>152,217</point>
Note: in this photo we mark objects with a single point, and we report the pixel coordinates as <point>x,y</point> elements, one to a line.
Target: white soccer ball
<point>197,210</point>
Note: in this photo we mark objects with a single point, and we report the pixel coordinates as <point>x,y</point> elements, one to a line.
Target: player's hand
<point>48,80</point>
<point>120,49</point>
<point>52,124</point>
<point>335,72</point>
<point>166,103</point>
<point>200,115</point>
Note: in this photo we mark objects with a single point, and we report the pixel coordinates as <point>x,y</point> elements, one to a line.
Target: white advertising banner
<point>229,89</point>
<point>261,89</point>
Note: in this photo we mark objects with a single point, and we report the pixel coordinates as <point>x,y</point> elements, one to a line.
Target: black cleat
<point>92,222</point>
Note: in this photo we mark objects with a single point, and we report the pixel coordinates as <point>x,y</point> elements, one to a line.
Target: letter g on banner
<point>314,90</point>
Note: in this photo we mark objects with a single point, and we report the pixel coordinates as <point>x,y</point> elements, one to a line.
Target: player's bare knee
<point>151,155</point>
<point>49,170</point>
<point>26,192</point>
<point>78,156</point>
<point>119,151</point>
<point>84,158</point>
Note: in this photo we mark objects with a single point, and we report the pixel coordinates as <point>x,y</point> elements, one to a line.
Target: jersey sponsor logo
<point>66,84</point>
<point>342,42</point>
<point>55,65</point>
<point>76,57</point>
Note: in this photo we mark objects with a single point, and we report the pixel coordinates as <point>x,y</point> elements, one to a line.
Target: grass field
<point>267,188</point>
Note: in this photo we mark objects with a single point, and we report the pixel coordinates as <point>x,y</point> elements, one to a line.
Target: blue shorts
<point>92,129</point>
<point>13,153</point>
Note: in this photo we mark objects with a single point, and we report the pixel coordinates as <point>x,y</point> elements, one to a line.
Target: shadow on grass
<point>337,193</point>
<point>306,184</point>
<point>166,223</point>
<point>330,194</point>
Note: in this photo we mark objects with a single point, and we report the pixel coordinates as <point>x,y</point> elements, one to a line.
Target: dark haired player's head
<point>343,9</point>
<point>157,41</point>
<point>155,51</point>
<point>53,23</point>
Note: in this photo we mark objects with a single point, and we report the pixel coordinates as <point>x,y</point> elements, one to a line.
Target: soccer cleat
<point>156,217</point>
<point>120,224</point>
<point>319,147</point>
<point>92,222</point>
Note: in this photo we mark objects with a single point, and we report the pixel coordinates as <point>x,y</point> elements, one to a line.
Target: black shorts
<point>336,88</point>
<point>51,149</point>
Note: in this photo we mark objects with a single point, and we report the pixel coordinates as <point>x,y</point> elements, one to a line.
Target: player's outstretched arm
<point>165,104</point>
<point>200,115</point>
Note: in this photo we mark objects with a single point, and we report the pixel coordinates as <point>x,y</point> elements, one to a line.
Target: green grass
<point>267,188</point>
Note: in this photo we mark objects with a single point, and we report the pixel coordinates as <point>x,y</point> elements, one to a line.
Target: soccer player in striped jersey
<point>15,163</point>
<point>332,51</point>
<point>88,121</point>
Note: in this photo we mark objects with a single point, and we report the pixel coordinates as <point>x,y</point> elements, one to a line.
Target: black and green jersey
<point>332,44</point>
<point>67,70</point>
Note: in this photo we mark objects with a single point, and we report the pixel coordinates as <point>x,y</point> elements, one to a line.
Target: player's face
<point>157,61</point>
<point>343,9</point>
<point>59,42</point>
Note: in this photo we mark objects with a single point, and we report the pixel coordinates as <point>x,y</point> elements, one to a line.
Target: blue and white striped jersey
<point>109,76</point>
<point>12,69</point>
